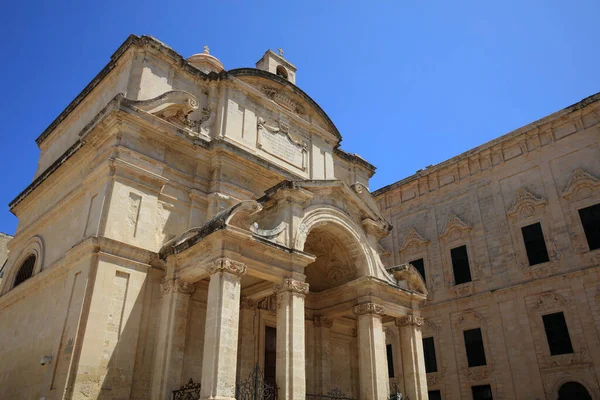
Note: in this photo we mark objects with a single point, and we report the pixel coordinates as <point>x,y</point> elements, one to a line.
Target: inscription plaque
<point>277,142</point>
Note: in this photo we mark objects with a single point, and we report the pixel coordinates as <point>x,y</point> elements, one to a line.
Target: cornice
<point>497,145</point>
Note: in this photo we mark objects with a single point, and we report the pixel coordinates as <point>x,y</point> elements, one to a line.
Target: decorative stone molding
<point>177,286</point>
<point>525,205</point>
<point>579,244</point>
<point>409,320</point>
<point>248,303</point>
<point>462,290</point>
<point>549,301</point>
<point>454,228</point>
<point>296,153</point>
<point>435,378</point>
<point>480,373</point>
<point>429,324</point>
<point>413,241</point>
<point>470,314</point>
<point>268,233</point>
<point>580,186</point>
<point>292,285</point>
<point>390,335</point>
<point>369,308</point>
<point>564,360</point>
<point>322,322</point>
<point>283,100</point>
<point>224,264</point>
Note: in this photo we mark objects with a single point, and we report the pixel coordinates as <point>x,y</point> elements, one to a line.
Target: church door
<point>270,354</point>
<point>573,391</point>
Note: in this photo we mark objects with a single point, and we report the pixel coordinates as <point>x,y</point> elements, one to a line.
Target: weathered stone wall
<point>4,239</point>
<point>481,199</point>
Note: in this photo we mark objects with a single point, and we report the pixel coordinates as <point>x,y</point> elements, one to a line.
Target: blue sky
<point>408,83</point>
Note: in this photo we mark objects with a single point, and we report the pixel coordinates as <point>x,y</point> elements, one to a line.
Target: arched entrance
<point>573,391</point>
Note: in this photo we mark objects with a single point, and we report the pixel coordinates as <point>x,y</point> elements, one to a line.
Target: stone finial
<point>226,265</point>
<point>322,321</point>
<point>206,49</point>
<point>292,285</point>
<point>177,286</point>
<point>409,320</point>
<point>369,308</point>
<point>280,50</point>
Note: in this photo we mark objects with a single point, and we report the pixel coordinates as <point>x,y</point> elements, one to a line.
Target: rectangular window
<point>420,266</point>
<point>590,219</point>
<point>434,395</point>
<point>535,245</point>
<point>429,353</point>
<point>460,265</point>
<point>390,360</point>
<point>474,346</point>
<point>482,392</point>
<point>557,334</point>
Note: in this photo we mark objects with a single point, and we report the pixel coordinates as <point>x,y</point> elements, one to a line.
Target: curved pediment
<point>525,204</point>
<point>455,228</point>
<point>413,241</point>
<point>286,95</point>
<point>581,185</point>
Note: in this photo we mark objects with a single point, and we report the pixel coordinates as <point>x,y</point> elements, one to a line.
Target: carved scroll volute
<point>581,186</point>
<point>369,309</point>
<point>525,205</point>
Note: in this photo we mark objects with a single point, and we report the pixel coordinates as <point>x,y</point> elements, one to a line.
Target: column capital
<point>369,308</point>
<point>322,322</point>
<point>248,303</point>
<point>409,320</point>
<point>177,286</point>
<point>224,264</point>
<point>291,285</point>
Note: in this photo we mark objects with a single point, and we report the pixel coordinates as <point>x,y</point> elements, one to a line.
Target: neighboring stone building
<point>4,239</point>
<point>188,222</point>
<point>526,208</point>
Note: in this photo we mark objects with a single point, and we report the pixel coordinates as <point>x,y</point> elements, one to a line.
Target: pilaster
<point>168,364</point>
<point>323,353</point>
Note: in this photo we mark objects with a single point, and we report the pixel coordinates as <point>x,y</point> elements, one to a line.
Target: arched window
<point>282,72</point>
<point>25,270</point>
<point>573,391</point>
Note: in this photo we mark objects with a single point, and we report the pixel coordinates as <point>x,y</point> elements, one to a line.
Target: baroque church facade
<point>198,233</point>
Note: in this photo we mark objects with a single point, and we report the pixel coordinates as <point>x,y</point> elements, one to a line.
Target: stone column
<point>168,361</point>
<point>371,352</point>
<point>219,361</point>
<point>322,354</point>
<point>413,361</point>
<point>290,365</point>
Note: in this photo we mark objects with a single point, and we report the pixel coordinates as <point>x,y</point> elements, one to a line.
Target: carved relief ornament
<point>525,204</point>
<point>224,264</point>
<point>409,320</point>
<point>549,301</point>
<point>322,322</point>
<point>177,286</point>
<point>470,314</point>
<point>413,241</point>
<point>369,308</point>
<point>292,285</point>
<point>455,227</point>
<point>581,185</point>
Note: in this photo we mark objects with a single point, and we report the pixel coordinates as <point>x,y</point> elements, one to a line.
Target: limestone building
<point>195,231</point>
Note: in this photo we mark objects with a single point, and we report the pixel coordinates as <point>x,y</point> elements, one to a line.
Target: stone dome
<point>205,62</point>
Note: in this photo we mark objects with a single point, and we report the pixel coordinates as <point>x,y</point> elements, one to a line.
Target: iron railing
<point>189,391</point>
<point>333,394</point>
<point>255,388</point>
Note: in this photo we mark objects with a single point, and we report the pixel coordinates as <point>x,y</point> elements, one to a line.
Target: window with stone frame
<point>557,334</point>
<point>590,220</point>
<point>474,347</point>
<point>460,265</point>
<point>482,392</point>
<point>25,270</point>
<point>535,245</point>
<point>434,395</point>
<point>429,355</point>
<point>390,360</point>
<point>419,265</point>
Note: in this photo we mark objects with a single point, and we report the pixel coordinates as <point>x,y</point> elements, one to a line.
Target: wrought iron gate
<point>395,393</point>
<point>189,391</point>
<point>333,394</point>
<point>255,388</point>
